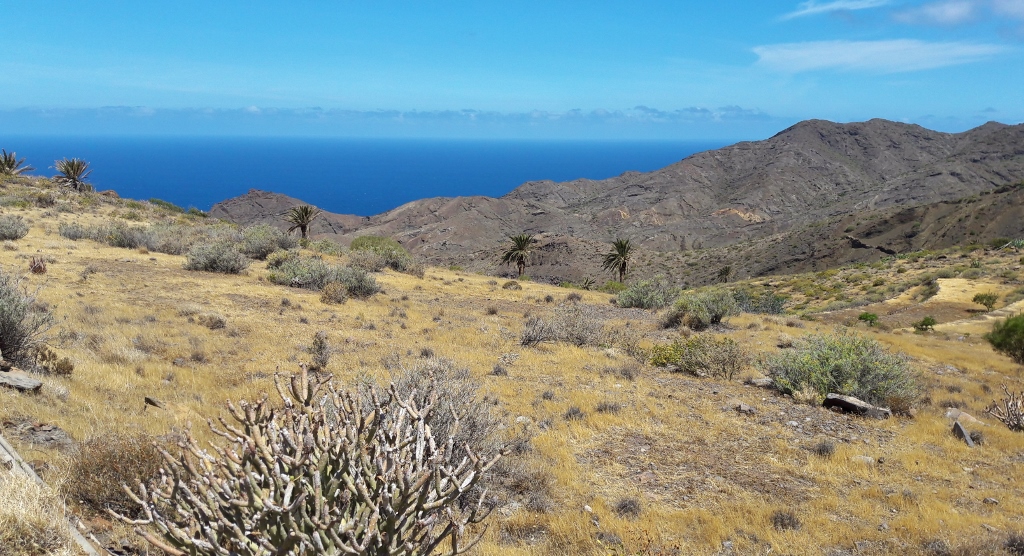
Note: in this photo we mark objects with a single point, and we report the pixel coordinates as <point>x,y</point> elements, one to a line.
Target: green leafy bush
<point>870,318</point>
<point>612,287</point>
<point>844,363</point>
<point>261,240</point>
<point>375,253</point>
<point>647,294</point>
<point>12,227</point>
<point>699,310</point>
<point>216,257</point>
<point>1007,337</point>
<point>703,355</point>
<point>925,324</point>
<point>988,299</point>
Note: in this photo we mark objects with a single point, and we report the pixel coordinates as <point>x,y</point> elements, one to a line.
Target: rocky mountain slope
<point>815,172</point>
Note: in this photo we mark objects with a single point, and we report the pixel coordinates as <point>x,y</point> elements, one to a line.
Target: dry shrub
<point>511,285</point>
<point>104,463</point>
<point>627,507</point>
<point>785,520</point>
<point>37,265</point>
<point>334,293</point>
<point>213,321</point>
<point>703,355</point>
<point>32,521</point>
<point>577,324</point>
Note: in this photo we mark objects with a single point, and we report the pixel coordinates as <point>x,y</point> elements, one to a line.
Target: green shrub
<point>647,294</point>
<point>313,273</point>
<point>1007,337</point>
<point>987,299</point>
<point>374,253</point>
<point>216,257</point>
<point>23,323</point>
<point>699,310</point>
<point>326,246</point>
<point>844,363</point>
<point>261,240</point>
<point>925,324</point>
<point>166,205</point>
<point>765,303</point>
<point>374,243</point>
<point>612,287</point>
<point>280,257</point>
<point>12,227</point>
<point>869,318</point>
<point>703,355</point>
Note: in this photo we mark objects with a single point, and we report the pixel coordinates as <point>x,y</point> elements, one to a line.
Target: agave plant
<point>301,217</point>
<point>74,172</point>
<point>10,165</point>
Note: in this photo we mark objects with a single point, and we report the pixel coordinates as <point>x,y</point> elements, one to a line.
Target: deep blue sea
<point>354,176</point>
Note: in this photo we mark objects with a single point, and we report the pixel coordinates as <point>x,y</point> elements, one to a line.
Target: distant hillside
<point>816,172</point>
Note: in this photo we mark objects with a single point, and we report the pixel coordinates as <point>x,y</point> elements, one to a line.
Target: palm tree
<point>617,260</point>
<point>519,252</point>
<point>301,217</point>
<point>74,172</point>
<point>10,165</point>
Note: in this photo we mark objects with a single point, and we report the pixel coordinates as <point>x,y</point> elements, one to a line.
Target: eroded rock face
<point>850,404</point>
<point>814,172</point>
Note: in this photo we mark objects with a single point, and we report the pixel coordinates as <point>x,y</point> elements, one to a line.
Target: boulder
<point>760,382</point>
<point>850,404</point>
<point>961,416</point>
<point>19,380</point>
<point>744,408</point>
<point>960,432</point>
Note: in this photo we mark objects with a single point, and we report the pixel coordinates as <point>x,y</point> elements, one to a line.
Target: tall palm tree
<point>74,172</point>
<point>519,252</point>
<point>10,165</point>
<point>617,260</point>
<point>301,217</point>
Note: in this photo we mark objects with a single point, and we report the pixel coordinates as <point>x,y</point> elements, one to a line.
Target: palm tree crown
<point>74,172</point>
<point>301,217</point>
<point>617,260</point>
<point>10,165</point>
<point>519,252</point>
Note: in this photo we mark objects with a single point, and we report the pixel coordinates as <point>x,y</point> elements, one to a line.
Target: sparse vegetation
<point>216,257</point>
<point>23,322</point>
<point>647,294</point>
<point>32,521</point>
<point>104,463</point>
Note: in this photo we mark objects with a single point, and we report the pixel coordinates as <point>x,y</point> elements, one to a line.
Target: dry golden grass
<point>702,475</point>
<point>32,521</point>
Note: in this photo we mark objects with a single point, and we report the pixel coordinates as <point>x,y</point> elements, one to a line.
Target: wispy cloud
<point>886,56</point>
<point>1009,8</point>
<point>945,12</point>
<point>811,7</point>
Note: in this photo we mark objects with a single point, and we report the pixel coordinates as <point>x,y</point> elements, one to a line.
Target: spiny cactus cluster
<point>330,472</point>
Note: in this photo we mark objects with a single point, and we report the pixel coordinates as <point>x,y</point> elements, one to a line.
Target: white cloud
<point>1011,8</point>
<point>811,7</point>
<point>887,56</point>
<point>945,12</point>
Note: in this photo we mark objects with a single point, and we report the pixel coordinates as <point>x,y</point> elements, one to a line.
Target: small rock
<point>851,404</point>
<point>588,509</point>
<point>989,528</point>
<point>20,381</point>
<point>991,501</point>
<point>761,382</point>
<point>793,424</point>
<point>746,409</point>
<point>960,432</point>
<point>883,527</point>
<point>522,419</point>
<point>179,362</point>
<point>861,546</point>
<point>962,416</point>
<point>866,460</point>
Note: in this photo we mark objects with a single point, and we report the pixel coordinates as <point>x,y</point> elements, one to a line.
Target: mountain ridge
<point>810,172</point>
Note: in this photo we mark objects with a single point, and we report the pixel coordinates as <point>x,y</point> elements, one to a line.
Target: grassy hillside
<point>622,457</point>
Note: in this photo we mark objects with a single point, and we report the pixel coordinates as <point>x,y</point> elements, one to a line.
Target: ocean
<point>353,176</point>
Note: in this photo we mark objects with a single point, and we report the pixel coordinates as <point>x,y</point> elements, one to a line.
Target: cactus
<point>330,472</point>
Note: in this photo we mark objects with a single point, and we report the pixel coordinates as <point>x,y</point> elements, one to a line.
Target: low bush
<point>32,520</point>
<point>12,227</point>
<point>647,294</point>
<point>73,231</point>
<point>764,303</point>
<point>844,363</point>
<point>216,257</point>
<point>1007,337</point>
<point>577,324</point>
<point>104,463</point>
<point>612,287</point>
<point>375,253</point>
<point>334,293</point>
<point>925,324</point>
<point>23,322</point>
<point>511,285</point>
<point>535,331</point>
<point>703,355</point>
<point>326,246</point>
<point>870,318</point>
<point>699,310</point>
<point>259,241</point>
<point>312,273</point>
<point>319,352</point>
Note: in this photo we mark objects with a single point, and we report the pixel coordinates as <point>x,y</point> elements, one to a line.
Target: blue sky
<point>543,69</point>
